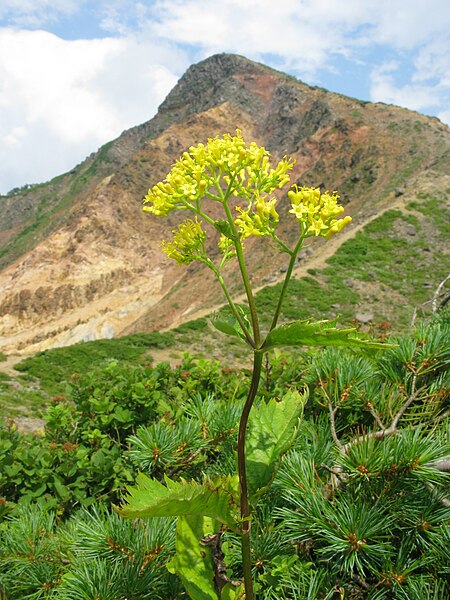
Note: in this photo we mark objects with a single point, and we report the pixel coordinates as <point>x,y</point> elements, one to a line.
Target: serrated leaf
<point>215,499</point>
<point>271,430</point>
<point>192,562</point>
<point>318,333</point>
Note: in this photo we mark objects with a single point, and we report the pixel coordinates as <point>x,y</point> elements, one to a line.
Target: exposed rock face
<point>88,279</point>
<point>79,260</point>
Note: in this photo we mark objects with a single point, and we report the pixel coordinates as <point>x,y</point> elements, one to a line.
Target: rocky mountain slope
<point>80,261</point>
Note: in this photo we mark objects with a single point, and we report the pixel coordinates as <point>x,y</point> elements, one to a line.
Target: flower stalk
<point>242,472</point>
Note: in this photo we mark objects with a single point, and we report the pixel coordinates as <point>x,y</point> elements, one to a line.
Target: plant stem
<point>244,502</point>
<point>249,293</point>
<point>256,376</point>
<point>231,304</point>
<point>286,281</point>
<point>245,279</point>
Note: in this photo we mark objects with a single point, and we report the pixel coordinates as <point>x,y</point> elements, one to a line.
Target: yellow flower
<point>244,170</point>
<point>259,219</point>
<point>317,211</point>
<point>245,224</point>
<point>317,226</point>
<point>187,244</point>
<point>337,225</point>
<point>225,244</point>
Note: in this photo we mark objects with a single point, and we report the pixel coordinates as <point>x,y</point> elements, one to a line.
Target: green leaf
<point>39,491</point>
<point>223,226</point>
<point>318,333</point>
<point>230,326</point>
<point>192,562</point>
<point>271,430</point>
<point>12,470</point>
<point>232,593</point>
<point>215,499</point>
<point>123,415</point>
<point>61,489</point>
<point>98,459</point>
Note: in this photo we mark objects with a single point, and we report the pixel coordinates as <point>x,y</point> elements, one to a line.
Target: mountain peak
<point>212,82</point>
<point>223,65</point>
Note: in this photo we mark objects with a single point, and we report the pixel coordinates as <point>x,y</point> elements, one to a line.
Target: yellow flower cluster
<point>187,244</point>
<point>260,219</point>
<point>226,167</point>
<point>225,245</point>
<point>317,211</point>
<point>244,169</point>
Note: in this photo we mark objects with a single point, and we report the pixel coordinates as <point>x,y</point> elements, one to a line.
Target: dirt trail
<point>11,361</point>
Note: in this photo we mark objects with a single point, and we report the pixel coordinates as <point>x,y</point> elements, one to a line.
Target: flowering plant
<point>239,177</point>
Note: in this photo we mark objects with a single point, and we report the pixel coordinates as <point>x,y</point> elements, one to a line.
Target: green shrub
<point>359,505</point>
<point>55,368</point>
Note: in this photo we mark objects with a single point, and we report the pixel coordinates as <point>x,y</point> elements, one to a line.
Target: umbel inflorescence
<point>239,176</point>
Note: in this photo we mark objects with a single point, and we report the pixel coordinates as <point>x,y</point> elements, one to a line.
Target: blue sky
<point>75,73</point>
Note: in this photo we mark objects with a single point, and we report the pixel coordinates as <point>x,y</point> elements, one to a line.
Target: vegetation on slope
<point>359,508</point>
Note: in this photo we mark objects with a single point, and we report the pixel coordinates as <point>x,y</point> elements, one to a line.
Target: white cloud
<point>406,25</point>
<point>415,96</point>
<point>418,31</point>
<point>36,12</point>
<point>444,115</point>
<point>49,81</point>
<point>304,35</point>
<point>15,136</point>
<point>428,86</point>
<point>60,99</point>
<point>433,61</point>
<point>309,36</point>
